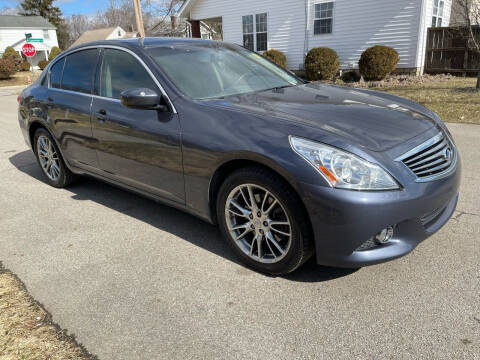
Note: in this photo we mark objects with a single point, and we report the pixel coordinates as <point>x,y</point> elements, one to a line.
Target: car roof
<point>147,42</point>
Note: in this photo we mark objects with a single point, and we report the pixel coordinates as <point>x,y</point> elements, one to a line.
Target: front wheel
<point>263,221</point>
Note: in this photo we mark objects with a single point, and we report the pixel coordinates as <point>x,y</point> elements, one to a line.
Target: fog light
<point>385,235</point>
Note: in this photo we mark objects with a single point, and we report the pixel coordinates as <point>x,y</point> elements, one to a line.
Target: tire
<point>58,178</point>
<point>294,239</point>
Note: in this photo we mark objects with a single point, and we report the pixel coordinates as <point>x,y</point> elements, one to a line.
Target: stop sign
<point>28,50</point>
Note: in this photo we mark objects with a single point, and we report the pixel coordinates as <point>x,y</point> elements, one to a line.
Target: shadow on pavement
<point>167,219</point>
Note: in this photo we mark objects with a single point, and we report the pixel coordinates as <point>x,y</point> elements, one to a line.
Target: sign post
<point>29,50</point>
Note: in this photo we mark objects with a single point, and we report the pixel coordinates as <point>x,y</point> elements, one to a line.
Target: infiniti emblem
<point>447,154</point>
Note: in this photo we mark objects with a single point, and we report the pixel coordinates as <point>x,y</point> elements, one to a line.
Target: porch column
<point>195,28</point>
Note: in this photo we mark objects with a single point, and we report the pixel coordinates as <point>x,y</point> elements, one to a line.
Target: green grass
<point>454,100</point>
<point>20,78</point>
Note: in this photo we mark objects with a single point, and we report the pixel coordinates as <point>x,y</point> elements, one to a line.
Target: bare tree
<point>468,14</point>
<point>156,18</point>
<point>77,25</point>
<point>164,24</point>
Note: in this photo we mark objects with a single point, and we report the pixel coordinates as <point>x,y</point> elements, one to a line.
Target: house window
<point>255,40</point>
<point>437,16</point>
<point>247,22</point>
<point>323,18</point>
<point>261,29</point>
<point>46,35</point>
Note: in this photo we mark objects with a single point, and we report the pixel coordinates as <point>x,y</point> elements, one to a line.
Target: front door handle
<point>101,116</point>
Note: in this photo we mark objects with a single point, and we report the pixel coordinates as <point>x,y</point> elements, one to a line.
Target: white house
<point>13,29</point>
<point>347,26</point>
<point>109,33</point>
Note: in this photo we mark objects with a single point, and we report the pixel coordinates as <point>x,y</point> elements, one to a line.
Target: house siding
<point>16,37</point>
<point>357,25</point>
<point>286,29</point>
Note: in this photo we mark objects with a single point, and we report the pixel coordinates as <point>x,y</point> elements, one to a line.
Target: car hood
<point>368,119</point>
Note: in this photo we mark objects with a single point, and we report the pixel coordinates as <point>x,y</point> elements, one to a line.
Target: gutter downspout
<point>305,42</point>
<point>422,39</point>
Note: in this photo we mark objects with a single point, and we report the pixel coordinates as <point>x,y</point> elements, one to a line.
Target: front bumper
<point>343,220</point>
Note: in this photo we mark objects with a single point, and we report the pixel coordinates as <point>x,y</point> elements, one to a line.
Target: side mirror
<point>142,98</point>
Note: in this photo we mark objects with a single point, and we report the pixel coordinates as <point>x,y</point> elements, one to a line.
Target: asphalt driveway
<point>132,279</point>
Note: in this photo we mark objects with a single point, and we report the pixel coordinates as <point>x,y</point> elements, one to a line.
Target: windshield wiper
<point>279,87</point>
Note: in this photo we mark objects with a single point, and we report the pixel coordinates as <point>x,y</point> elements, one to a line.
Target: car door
<point>69,100</point>
<point>138,147</point>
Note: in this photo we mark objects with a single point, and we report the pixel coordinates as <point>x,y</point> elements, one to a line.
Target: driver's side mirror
<point>142,98</point>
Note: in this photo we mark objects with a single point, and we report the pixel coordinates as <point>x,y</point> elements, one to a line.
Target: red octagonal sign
<point>28,50</point>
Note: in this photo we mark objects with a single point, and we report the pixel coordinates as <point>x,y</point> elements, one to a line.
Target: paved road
<point>134,279</point>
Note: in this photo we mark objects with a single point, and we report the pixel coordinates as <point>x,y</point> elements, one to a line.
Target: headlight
<point>343,169</point>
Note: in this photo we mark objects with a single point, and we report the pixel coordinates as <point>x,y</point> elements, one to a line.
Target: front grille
<point>431,159</point>
<point>431,216</point>
<point>368,245</point>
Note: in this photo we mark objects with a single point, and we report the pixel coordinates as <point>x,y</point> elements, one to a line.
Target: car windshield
<point>205,72</point>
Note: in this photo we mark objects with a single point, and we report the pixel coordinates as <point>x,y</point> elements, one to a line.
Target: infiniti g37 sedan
<point>287,169</point>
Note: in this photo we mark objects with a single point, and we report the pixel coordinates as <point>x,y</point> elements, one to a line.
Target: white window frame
<point>438,13</point>
<point>255,32</point>
<point>323,18</point>
<point>249,33</point>
<point>46,34</point>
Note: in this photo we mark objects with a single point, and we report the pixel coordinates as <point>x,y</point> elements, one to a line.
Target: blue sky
<point>68,7</point>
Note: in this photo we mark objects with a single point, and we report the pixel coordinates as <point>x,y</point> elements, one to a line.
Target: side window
<point>121,71</point>
<point>56,74</point>
<point>79,70</point>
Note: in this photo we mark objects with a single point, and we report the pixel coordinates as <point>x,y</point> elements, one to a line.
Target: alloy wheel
<point>258,223</point>
<point>48,158</point>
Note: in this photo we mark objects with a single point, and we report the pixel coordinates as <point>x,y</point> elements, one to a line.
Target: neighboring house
<point>13,29</point>
<point>459,12</point>
<point>347,26</point>
<point>102,34</point>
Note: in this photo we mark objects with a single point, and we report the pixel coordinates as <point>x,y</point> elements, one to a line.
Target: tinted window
<point>121,71</point>
<point>56,74</point>
<point>79,70</point>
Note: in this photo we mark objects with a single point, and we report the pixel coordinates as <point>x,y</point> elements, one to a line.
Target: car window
<point>79,70</point>
<point>216,70</point>
<point>121,71</point>
<point>56,73</point>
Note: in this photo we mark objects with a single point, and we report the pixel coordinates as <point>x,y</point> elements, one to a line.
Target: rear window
<point>56,74</point>
<point>78,71</point>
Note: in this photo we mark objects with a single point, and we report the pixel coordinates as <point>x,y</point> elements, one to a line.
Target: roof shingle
<point>16,21</point>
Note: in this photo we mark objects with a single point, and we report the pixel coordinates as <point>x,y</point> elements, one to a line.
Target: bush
<point>7,68</point>
<point>377,62</point>
<point>54,52</point>
<point>25,66</point>
<point>321,64</point>
<point>14,56</point>
<point>42,64</point>
<point>350,76</point>
<point>277,57</point>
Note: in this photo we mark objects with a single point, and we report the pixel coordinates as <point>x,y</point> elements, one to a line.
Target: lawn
<point>20,78</point>
<point>454,100</point>
<point>26,330</point>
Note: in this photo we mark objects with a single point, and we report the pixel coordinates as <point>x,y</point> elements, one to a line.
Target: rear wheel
<point>263,221</point>
<point>50,160</point>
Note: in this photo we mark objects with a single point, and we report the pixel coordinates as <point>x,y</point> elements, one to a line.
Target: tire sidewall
<point>293,258</point>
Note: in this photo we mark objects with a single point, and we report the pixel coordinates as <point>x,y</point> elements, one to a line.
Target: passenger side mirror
<point>142,98</point>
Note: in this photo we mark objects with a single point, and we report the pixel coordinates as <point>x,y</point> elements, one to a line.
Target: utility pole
<point>138,17</point>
